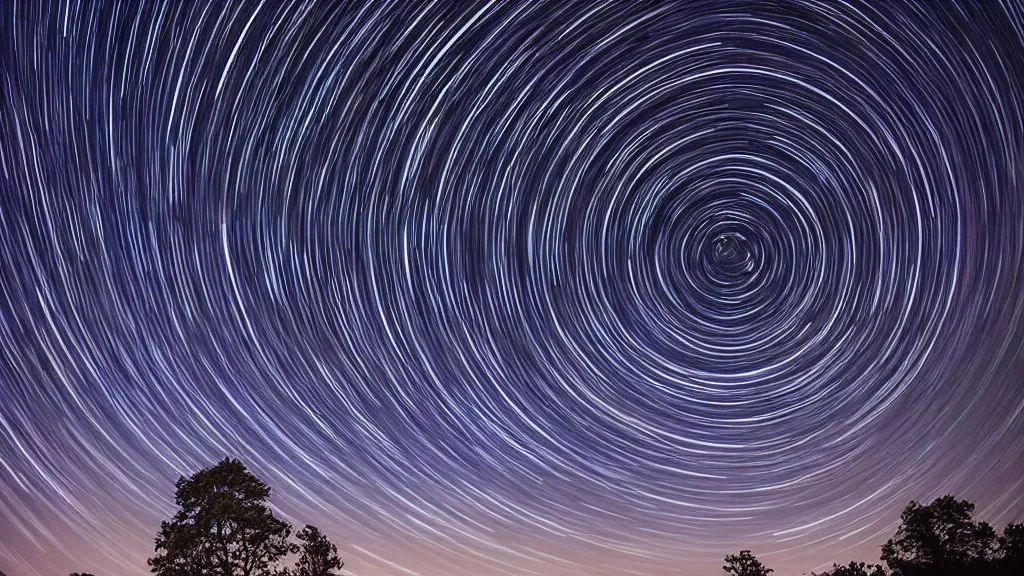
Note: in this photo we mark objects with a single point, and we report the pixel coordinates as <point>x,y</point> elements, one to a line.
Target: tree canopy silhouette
<point>853,569</point>
<point>940,539</point>
<point>745,564</point>
<point>937,539</point>
<point>1011,550</point>
<point>319,556</point>
<point>223,527</point>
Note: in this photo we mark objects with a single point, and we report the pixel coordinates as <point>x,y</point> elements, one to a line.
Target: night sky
<point>511,288</point>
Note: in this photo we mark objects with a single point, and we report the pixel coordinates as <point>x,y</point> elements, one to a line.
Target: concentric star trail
<point>542,288</point>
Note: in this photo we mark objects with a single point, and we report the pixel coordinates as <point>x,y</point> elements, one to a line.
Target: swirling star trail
<point>543,288</point>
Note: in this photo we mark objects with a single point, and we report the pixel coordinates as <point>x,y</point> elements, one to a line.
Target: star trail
<point>511,288</point>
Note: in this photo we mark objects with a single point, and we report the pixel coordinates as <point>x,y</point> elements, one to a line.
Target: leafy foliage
<point>223,527</point>
<point>853,569</point>
<point>319,555</point>
<point>1011,550</point>
<point>940,539</point>
<point>745,564</point>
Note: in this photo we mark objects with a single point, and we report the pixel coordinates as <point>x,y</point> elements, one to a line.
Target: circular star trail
<point>546,288</point>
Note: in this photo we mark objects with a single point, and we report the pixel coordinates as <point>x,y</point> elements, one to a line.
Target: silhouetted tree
<point>745,564</point>
<point>223,527</point>
<point>1011,550</point>
<point>940,539</point>
<point>853,569</point>
<point>319,556</point>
